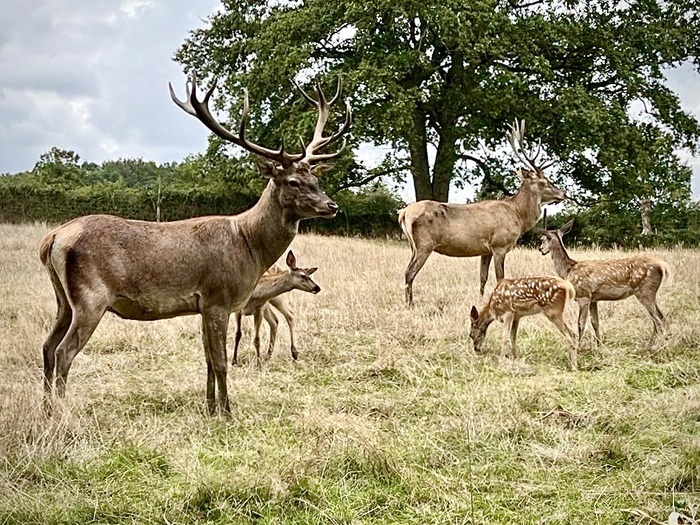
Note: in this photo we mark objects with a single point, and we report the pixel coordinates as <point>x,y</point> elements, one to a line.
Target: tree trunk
<point>418,147</point>
<point>645,210</point>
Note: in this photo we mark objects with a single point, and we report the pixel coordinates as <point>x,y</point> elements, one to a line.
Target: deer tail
<point>45,247</point>
<point>666,272</point>
<point>570,291</point>
<point>407,227</point>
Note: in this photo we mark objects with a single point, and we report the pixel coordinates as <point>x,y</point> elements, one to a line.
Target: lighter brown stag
<point>513,299</point>
<point>270,291</point>
<point>488,229</point>
<point>207,265</point>
<point>594,281</point>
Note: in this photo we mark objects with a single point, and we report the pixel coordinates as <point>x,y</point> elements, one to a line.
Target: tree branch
<point>487,173</point>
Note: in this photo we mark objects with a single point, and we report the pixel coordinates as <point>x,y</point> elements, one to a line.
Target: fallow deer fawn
<point>512,299</point>
<point>640,275</point>
<point>269,291</point>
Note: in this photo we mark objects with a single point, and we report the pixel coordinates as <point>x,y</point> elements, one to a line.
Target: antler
<point>319,142</point>
<point>516,139</point>
<point>200,109</point>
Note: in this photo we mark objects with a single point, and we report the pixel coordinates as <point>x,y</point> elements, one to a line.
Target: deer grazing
<point>512,299</point>
<point>488,229</point>
<point>270,291</point>
<point>614,280</point>
<point>208,265</point>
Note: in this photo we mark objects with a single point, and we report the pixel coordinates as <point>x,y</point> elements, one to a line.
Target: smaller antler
<point>516,139</point>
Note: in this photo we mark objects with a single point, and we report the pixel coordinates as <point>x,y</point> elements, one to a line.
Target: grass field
<point>388,417</point>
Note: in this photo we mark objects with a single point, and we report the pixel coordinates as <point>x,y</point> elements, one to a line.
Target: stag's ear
<point>309,271</point>
<point>267,168</point>
<point>291,260</point>
<point>474,314</point>
<point>567,227</point>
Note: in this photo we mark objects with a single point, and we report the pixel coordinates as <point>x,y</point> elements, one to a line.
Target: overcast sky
<point>91,76</point>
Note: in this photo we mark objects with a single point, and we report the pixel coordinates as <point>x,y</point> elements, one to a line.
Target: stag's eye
<point>293,183</point>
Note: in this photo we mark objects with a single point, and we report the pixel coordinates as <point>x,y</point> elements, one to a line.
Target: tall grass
<point>388,417</point>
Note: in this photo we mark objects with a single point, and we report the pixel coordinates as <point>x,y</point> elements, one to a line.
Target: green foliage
<point>451,73</point>
<point>213,183</point>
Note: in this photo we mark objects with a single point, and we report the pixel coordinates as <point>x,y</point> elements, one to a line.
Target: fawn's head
<point>551,238</point>
<point>479,325</point>
<point>301,277</point>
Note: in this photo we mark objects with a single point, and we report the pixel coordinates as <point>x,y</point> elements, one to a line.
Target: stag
<point>488,229</point>
<point>270,291</point>
<point>208,265</point>
<point>640,275</point>
<point>512,299</point>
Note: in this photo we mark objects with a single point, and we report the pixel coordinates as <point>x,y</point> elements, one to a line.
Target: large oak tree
<point>437,81</point>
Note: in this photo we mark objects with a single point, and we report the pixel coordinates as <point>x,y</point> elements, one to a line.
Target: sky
<point>92,76</point>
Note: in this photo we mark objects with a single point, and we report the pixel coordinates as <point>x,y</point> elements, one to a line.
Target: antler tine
<point>515,138</point>
<point>200,109</point>
<point>544,220</point>
<point>338,90</point>
<point>323,106</point>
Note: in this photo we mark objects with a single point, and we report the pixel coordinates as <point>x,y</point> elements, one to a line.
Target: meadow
<point>387,417</point>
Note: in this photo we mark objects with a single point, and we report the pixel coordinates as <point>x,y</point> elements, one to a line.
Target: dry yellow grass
<point>388,417</point>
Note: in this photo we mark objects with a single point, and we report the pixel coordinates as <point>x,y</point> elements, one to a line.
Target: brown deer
<point>512,299</point>
<point>270,291</point>
<point>488,229</point>
<point>640,275</point>
<point>206,265</point>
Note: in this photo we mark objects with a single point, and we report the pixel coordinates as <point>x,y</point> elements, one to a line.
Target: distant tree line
<point>61,187</point>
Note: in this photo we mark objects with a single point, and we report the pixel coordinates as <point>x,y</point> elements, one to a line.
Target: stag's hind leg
<point>64,316</point>
<point>414,266</point>
<point>83,323</point>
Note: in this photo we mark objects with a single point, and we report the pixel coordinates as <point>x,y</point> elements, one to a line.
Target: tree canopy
<point>437,81</point>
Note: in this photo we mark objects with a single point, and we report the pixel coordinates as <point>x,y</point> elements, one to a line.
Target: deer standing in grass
<point>640,275</point>
<point>488,229</point>
<point>513,299</point>
<point>207,265</point>
<point>270,291</point>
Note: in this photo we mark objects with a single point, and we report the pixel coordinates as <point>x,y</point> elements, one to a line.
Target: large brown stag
<point>207,265</point>
<point>488,229</point>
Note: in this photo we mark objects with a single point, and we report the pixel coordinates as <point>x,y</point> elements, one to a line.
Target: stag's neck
<point>267,228</point>
<point>270,287</point>
<point>528,206</point>
<point>561,260</point>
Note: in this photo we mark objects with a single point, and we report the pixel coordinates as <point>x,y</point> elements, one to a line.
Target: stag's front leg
<point>499,263</point>
<point>237,340</point>
<point>215,322</point>
<point>485,264</point>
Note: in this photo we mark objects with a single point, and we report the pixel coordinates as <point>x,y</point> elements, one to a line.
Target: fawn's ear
<point>567,227</point>
<point>291,260</point>
<point>474,314</point>
<point>309,271</point>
